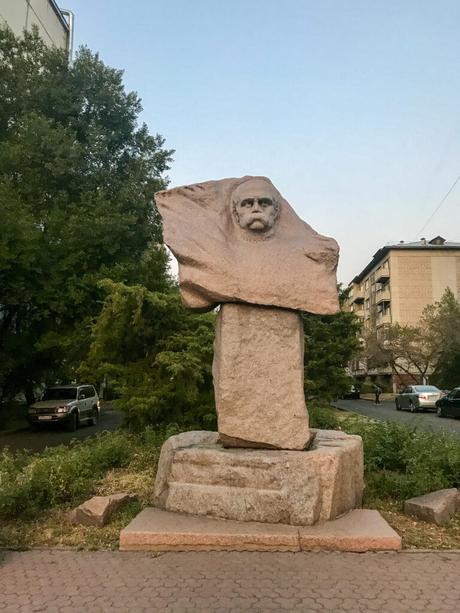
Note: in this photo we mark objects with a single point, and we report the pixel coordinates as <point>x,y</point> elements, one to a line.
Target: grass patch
<point>417,534</point>
<point>63,477</point>
<point>32,483</point>
<point>51,529</point>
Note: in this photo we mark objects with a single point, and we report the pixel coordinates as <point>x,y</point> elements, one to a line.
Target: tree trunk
<point>29,392</point>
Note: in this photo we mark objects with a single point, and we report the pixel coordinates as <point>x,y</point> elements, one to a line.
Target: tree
<point>77,178</point>
<point>444,321</point>
<point>330,343</point>
<point>430,349</point>
<point>157,354</point>
<point>408,350</point>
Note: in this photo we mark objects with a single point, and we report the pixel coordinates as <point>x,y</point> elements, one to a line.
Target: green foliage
<point>323,418</point>
<point>30,483</point>
<point>156,354</point>
<point>444,319</point>
<point>401,462</point>
<point>330,343</point>
<point>447,372</point>
<point>77,178</point>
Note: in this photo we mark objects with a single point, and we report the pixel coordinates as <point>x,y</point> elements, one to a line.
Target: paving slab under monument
<point>158,530</point>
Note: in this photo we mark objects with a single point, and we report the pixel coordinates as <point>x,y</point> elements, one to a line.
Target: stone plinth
<point>197,475</point>
<point>258,378</point>
<point>157,530</point>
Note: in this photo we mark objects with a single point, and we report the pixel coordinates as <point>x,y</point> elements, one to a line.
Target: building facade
<point>54,24</point>
<point>398,283</point>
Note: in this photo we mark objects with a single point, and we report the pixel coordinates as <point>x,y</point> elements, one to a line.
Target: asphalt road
<point>386,411</point>
<point>53,435</point>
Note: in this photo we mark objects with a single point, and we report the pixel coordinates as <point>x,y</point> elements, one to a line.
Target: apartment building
<point>398,283</point>
<point>55,25</point>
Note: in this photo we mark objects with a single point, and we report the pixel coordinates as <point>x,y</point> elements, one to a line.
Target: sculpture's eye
<point>247,202</point>
<point>265,202</point>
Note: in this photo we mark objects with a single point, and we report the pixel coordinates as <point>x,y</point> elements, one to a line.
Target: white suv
<point>67,404</point>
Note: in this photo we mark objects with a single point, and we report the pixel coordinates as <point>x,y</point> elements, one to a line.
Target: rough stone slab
<point>438,507</point>
<point>258,378</point>
<point>98,510</point>
<point>196,475</point>
<point>359,530</point>
<point>290,266</point>
<point>157,530</point>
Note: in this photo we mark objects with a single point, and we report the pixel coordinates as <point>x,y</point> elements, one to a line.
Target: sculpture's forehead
<point>254,188</point>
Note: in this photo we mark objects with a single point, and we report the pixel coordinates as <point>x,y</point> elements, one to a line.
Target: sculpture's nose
<point>256,206</point>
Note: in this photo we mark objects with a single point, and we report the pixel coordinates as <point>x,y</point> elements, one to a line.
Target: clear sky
<point>351,107</point>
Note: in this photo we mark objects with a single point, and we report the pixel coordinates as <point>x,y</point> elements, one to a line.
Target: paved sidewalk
<point>220,581</point>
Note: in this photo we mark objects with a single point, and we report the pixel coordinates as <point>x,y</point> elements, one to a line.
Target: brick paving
<point>67,581</point>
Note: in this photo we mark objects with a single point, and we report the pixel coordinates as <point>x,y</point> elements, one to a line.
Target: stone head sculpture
<point>239,240</point>
<point>256,206</point>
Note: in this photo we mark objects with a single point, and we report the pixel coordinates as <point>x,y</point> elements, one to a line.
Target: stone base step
<point>157,530</point>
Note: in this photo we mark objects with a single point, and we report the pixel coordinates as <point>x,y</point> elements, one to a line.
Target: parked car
<point>70,405</point>
<point>418,397</point>
<point>449,406</point>
<point>352,394</point>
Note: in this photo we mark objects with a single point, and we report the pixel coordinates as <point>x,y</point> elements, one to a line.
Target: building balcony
<point>382,275</point>
<point>382,296</point>
<point>358,299</point>
<point>383,318</point>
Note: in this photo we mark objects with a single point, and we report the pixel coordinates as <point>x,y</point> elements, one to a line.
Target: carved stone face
<point>255,206</point>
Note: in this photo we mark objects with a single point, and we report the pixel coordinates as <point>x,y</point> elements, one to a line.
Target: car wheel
<point>94,417</point>
<point>412,407</point>
<point>398,406</point>
<point>439,412</point>
<point>72,424</point>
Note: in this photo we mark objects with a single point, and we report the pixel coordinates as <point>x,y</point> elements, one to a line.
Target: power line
<point>437,208</point>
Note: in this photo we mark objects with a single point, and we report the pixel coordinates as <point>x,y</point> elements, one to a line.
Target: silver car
<point>66,404</point>
<point>418,398</point>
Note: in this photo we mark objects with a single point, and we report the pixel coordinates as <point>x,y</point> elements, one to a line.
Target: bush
<point>30,483</point>
<point>323,418</point>
<point>401,462</point>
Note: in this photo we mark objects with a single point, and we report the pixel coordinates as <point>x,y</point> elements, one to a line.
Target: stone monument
<point>240,245</point>
<point>242,248</point>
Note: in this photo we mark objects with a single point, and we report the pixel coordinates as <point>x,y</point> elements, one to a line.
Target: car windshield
<point>425,388</point>
<point>60,393</point>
